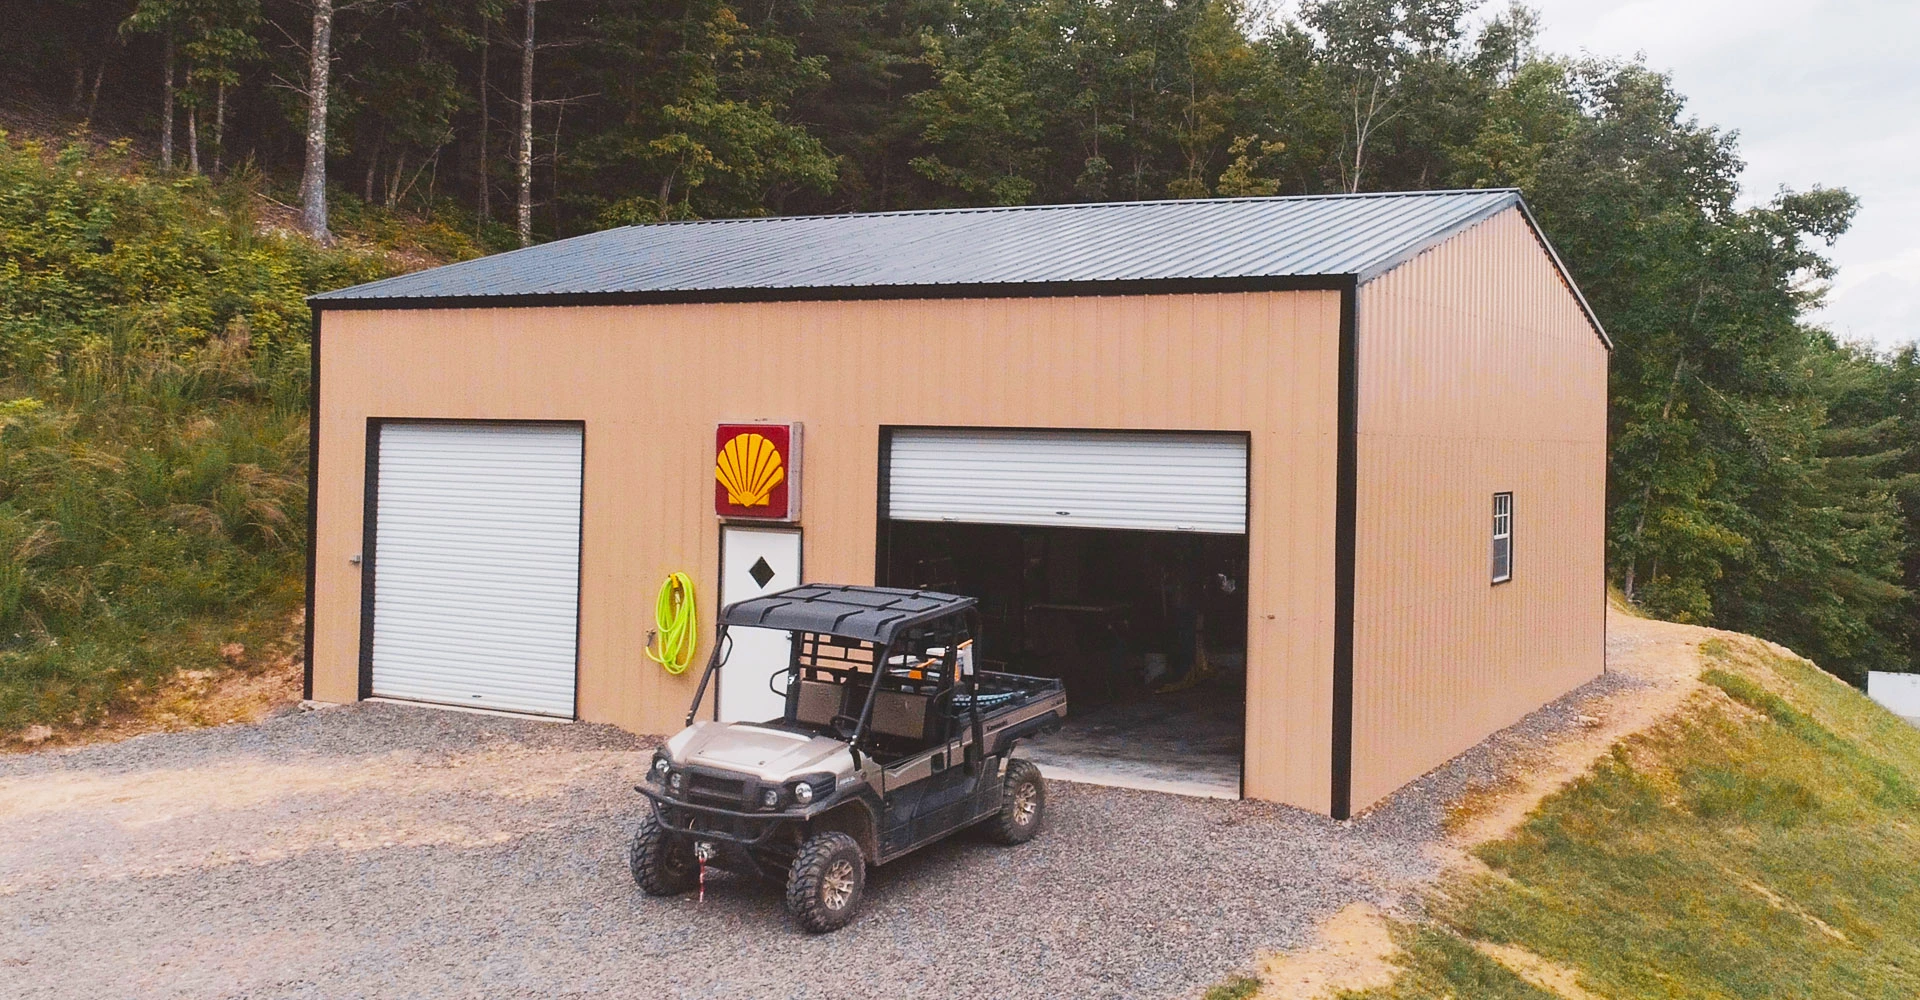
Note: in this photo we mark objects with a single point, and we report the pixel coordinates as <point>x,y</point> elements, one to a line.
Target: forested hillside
<point>1763,478</point>
<point>153,444</point>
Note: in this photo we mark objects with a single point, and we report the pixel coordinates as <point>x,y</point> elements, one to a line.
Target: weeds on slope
<point>1759,845</point>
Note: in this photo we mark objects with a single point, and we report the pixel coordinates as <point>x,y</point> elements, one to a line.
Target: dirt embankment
<point>1355,950</point>
<point>245,687</point>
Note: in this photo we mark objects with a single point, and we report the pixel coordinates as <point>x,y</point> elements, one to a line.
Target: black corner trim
<point>369,526</point>
<point>1345,506</point>
<point>313,496</point>
<point>882,513</point>
<point>847,293</point>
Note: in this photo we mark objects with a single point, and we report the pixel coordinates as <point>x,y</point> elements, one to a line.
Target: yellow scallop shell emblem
<point>749,467</point>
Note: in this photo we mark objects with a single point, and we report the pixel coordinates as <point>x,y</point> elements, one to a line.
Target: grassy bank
<point>1762,844</point>
<point>153,373</point>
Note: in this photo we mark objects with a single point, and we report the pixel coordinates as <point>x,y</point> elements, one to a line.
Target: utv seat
<point>819,702</point>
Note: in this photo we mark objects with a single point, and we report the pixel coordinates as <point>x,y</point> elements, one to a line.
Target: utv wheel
<point>662,864</point>
<point>825,884</point>
<point>1023,804</point>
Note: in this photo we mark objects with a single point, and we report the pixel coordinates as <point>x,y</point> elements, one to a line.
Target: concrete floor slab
<point>1186,743</point>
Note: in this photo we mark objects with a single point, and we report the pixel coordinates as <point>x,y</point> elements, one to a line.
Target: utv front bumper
<point>747,828</point>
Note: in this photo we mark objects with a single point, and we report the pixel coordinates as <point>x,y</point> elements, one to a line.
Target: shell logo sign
<point>756,471</point>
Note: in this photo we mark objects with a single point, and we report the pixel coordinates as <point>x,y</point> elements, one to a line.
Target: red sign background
<point>780,505</point>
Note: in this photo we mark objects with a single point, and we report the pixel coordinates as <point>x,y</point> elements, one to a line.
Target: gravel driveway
<point>383,850</point>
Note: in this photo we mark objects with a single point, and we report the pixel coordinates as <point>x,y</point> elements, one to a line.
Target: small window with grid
<point>1502,537</point>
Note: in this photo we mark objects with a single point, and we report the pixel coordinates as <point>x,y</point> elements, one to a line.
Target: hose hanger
<point>676,625</point>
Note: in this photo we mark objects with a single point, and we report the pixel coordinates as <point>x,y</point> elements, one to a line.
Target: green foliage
<point>153,369</point>
<point>704,132</point>
<point>1761,846</point>
<point>1437,965</point>
<point>1235,987</point>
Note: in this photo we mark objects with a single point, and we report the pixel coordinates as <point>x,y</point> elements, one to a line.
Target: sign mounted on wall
<point>756,471</point>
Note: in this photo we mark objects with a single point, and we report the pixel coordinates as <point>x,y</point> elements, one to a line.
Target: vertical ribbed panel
<point>476,562</point>
<point>651,381</point>
<point>1478,374</point>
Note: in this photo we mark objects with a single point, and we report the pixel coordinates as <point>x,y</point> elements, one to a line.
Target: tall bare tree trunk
<point>313,179</point>
<point>193,138</point>
<point>486,128</point>
<point>93,96</point>
<point>166,108</point>
<point>523,222</point>
<point>219,124</point>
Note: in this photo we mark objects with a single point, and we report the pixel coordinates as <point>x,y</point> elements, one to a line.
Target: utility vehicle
<point>891,739</point>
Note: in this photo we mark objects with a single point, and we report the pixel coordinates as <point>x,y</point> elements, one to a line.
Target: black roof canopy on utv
<point>874,614</point>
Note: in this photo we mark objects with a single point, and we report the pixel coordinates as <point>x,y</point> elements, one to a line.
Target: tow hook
<point>703,851</point>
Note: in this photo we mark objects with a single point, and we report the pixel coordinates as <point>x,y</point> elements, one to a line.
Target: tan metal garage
<point>1049,405</point>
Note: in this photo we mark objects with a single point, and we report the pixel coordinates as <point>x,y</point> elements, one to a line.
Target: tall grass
<point>153,369</point>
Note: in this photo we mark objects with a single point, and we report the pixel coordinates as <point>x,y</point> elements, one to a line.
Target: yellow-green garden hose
<point>676,623</point>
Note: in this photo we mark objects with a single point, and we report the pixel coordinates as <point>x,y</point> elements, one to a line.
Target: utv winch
<point>890,739</point>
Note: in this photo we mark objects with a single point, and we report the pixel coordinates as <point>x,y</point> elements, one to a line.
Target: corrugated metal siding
<point>652,381</point>
<point>1115,241</point>
<point>1478,374</point>
<point>1076,479</point>
<point>477,566</point>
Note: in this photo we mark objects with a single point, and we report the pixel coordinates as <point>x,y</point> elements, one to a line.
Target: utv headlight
<point>802,793</point>
<point>659,768</point>
<point>676,781</point>
<point>770,798</point>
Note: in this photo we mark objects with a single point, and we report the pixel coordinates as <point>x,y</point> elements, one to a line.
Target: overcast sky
<point>1821,92</point>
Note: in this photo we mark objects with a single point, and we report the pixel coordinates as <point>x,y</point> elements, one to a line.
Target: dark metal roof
<point>1197,244</point>
<point>1114,241</point>
<point>875,614</point>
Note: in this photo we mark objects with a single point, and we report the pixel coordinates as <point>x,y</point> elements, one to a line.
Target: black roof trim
<point>855,293</point>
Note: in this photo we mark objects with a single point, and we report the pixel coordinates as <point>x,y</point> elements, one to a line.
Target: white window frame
<point>1502,532</point>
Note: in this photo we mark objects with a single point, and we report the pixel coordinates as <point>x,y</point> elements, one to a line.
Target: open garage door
<point>474,550</point>
<point>1115,561</point>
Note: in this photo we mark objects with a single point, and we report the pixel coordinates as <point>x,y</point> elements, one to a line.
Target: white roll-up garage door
<point>476,565</point>
<point>1142,481</point>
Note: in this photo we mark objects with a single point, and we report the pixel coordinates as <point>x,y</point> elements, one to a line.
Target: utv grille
<point>729,792</point>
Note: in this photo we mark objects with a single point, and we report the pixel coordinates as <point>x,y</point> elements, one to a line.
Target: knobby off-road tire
<point>663,865</point>
<point>1023,804</point>
<point>825,884</point>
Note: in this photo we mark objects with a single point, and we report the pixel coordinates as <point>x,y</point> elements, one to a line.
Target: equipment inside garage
<point>1142,611</point>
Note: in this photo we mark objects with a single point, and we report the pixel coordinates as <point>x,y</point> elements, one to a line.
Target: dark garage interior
<point>1147,628</point>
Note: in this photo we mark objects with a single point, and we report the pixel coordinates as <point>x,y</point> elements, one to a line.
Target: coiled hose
<point>676,625</point>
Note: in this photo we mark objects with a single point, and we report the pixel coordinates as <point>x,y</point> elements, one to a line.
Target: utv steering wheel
<point>845,725</point>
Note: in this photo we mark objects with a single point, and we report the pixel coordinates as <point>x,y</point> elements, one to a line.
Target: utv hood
<point>773,755</point>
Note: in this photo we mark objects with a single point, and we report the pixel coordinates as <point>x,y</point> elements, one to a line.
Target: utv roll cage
<point>900,644</point>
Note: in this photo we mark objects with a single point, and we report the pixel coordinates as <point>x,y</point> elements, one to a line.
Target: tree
<point>219,39</point>
<point>313,174</point>
<point>160,17</point>
<point>523,160</point>
<point>704,131</point>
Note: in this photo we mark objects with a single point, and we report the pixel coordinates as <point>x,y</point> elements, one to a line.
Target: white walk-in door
<point>476,565</point>
<point>755,561</point>
<point>1070,479</point>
